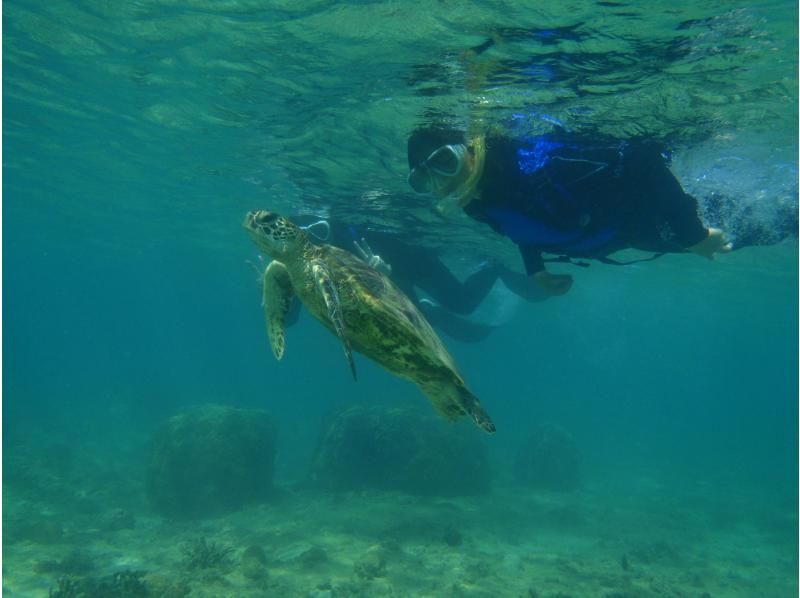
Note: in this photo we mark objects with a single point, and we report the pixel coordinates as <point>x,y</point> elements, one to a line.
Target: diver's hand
<point>715,242</point>
<point>553,284</point>
<point>365,252</point>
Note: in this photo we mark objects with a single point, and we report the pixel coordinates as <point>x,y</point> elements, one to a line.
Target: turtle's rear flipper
<point>277,296</point>
<point>453,400</point>
<point>472,407</point>
<point>328,291</point>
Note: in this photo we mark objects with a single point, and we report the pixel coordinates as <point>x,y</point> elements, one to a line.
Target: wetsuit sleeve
<point>532,258</point>
<point>682,215</point>
<point>671,202</point>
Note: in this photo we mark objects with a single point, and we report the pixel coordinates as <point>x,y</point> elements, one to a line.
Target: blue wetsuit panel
<point>524,230</point>
<point>532,158</point>
<point>595,241</point>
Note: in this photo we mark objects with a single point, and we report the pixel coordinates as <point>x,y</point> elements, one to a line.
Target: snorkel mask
<point>446,161</point>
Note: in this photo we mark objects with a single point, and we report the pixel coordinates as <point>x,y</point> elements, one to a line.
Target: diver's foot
<point>553,284</point>
<point>715,242</point>
<point>426,303</point>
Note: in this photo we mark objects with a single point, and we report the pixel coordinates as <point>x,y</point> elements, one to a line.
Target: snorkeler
<point>563,194</point>
<point>413,268</point>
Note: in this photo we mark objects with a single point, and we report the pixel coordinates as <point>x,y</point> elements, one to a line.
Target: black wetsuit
<point>579,197</point>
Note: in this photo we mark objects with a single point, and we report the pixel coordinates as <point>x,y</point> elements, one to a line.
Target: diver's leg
<point>455,327</point>
<point>479,284</point>
<point>452,294</point>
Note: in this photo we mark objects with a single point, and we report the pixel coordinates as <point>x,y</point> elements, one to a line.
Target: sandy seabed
<point>77,541</point>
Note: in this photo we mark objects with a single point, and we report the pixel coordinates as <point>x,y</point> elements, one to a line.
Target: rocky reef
<point>399,449</point>
<point>210,459</point>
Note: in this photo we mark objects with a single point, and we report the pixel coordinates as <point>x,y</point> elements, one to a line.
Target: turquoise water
<point>136,135</point>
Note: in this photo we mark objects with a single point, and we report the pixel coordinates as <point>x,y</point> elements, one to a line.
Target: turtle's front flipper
<point>277,296</point>
<point>327,289</point>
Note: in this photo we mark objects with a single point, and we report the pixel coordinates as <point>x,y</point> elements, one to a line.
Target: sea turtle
<point>362,307</point>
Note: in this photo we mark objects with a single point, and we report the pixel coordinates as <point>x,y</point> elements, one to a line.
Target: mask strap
<point>324,236</point>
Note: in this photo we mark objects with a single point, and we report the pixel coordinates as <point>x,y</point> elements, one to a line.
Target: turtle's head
<point>274,235</point>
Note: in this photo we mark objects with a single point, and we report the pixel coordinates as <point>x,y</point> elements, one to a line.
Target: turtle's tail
<point>472,407</point>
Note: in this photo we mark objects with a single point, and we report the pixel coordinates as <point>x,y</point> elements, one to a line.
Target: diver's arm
<point>690,230</point>
<point>680,211</point>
